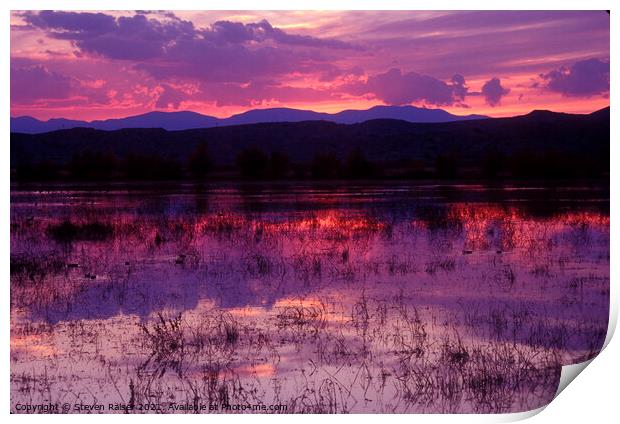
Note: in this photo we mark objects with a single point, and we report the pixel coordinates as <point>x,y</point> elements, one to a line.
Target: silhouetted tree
<point>358,166</point>
<point>253,163</point>
<point>521,164</point>
<point>278,165</point>
<point>493,164</point>
<point>414,168</point>
<point>41,171</point>
<point>326,166</point>
<point>92,166</point>
<point>151,167</point>
<point>199,163</point>
<point>446,165</point>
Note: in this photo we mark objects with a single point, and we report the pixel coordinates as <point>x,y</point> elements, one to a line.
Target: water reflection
<point>378,280</point>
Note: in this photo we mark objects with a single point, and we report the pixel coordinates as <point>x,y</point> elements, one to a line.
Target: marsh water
<point>378,298</point>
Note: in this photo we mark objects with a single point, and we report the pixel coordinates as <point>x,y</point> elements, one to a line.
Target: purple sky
<point>92,65</point>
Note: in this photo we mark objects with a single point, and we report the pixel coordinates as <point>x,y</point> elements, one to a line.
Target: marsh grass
<point>68,231</point>
<point>346,312</point>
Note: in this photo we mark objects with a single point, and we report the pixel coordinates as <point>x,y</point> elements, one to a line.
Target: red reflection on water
<point>325,220</point>
<point>488,226</point>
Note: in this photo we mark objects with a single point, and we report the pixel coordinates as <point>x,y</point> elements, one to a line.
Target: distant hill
<point>404,113</point>
<point>580,141</point>
<point>173,121</point>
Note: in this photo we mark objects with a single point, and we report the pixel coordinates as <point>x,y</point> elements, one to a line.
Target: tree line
<point>255,164</point>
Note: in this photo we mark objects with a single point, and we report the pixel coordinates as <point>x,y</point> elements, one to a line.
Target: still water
<point>397,298</point>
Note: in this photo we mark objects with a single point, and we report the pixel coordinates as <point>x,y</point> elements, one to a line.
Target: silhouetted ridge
<point>189,120</point>
<point>601,113</point>
<point>541,144</point>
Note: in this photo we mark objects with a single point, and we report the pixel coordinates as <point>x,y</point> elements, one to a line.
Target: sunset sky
<point>87,65</point>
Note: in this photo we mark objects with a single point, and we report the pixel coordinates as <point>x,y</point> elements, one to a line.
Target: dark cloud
<point>139,37</point>
<point>202,60</point>
<point>171,47</point>
<point>396,88</point>
<point>36,83</point>
<point>130,38</point>
<point>459,88</point>
<point>71,25</point>
<point>583,79</point>
<point>493,91</point>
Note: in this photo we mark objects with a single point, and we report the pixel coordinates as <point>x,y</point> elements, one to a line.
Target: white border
<point>592,399</point>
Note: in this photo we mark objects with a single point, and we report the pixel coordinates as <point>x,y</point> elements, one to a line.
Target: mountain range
<point>175,121</point>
